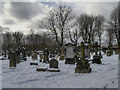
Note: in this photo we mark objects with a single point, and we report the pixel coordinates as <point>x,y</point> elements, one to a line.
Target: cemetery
<point>81,51</point>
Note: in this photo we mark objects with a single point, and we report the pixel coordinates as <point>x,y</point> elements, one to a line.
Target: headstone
<point>17,57</point>
<point>70,54</point>
<point>46,54</point>
<point>34,57</point>
<point>53,66</point>
<point>96,57</point>
<point>23,51</point>
<point>29,54</point>
<point>82,65</point>
<point>53,63</point>
<point>12,59</point>
<point>41,56</point>
<point>56,56</point>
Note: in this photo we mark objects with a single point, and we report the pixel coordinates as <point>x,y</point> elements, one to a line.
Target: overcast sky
<point>23,16</point>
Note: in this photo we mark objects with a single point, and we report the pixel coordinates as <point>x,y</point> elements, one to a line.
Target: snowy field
<point>104,75</point>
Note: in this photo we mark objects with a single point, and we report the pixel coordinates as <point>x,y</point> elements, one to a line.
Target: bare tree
<point>7,40</point>
<point>86,25</point>
<point>115,23</point>
<point>74,36</point>
<point>99,28</point>
<point>58,21</point>
<point>17,37</point>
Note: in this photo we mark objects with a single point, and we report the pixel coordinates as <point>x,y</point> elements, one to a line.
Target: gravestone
<point>12,59</point>
<point>29,54</point>
<point>96,57</point>
<point>17,57</point>
<point>53,63</point>
<point>34,57</point>
<point>70,54</point>
<point>41,57</point>
<point>23,51</point>
<point>53,66</point>
<point>104,50</point>
<point>46,54</point>
<point>82,65</point>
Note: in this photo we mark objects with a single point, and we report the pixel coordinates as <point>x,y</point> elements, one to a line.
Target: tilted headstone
<point>70,53</point>
<point>46,54</point>
<point>96,57</point>
<point>12,59</point>
<point>82,65</point>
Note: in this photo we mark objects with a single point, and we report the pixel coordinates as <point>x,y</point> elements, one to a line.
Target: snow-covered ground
<point>104,75</point>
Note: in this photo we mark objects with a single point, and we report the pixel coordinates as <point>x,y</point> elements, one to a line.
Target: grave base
<point>41,69</point>
<point>78,70</point>
<point>69,61</point>
<point>33,63</point>
<point>53,70</point>
<point>61,58</point>
<point>96,59</point>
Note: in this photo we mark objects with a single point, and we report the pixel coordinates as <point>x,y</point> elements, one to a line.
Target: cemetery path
<point>104,75</point>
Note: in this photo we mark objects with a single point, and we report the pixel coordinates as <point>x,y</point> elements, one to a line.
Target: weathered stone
<point>56,56</point>
<point>17,57</point>
<point>70,54</point>
<point>34,57</point>
<point>41,56</point>
<point>12,59</point>
<point>82,66</point>
<point>96,57</point>
<point>53,63</point>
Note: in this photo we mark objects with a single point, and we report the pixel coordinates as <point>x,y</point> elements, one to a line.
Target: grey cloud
<point>9,22</point>
<point>24,10</point>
